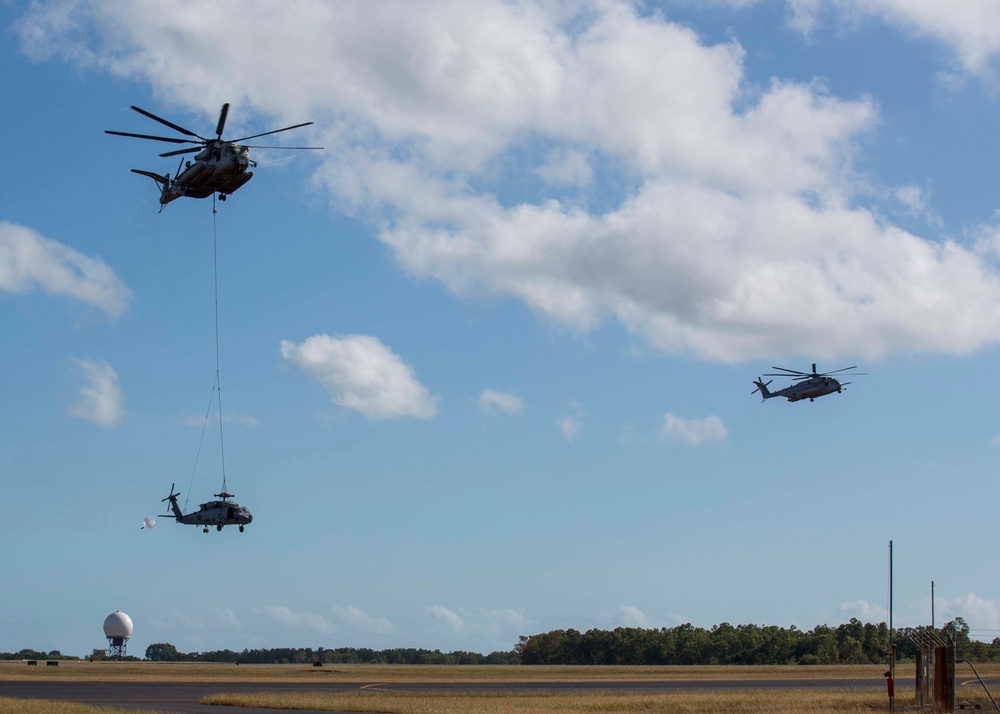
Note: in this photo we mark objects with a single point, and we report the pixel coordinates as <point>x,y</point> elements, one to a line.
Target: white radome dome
<point>118,624</point>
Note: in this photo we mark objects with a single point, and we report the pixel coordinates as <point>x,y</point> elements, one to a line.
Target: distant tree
<point>162,652</point>
<point>851,652</point>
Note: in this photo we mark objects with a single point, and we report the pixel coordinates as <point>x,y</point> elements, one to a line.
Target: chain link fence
<point>977,685</point>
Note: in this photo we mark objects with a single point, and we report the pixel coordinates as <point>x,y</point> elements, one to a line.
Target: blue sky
<point>487,358</point>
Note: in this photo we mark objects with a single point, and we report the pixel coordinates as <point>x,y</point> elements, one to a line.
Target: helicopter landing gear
<point>241,529</point>
<point>205,529</point>
<point>218,528</point>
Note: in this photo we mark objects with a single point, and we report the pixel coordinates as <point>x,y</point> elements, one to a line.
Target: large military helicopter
<point>809,384</point>
<point>220,166</point>
<point>214,513</point>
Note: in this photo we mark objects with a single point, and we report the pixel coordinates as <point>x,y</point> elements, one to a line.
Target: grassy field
<point>371,699</point>
<point>44,706</point>
<point>801,701</point>
<point>365,673</point>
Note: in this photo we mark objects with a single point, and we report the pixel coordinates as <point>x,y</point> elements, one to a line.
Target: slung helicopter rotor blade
<point>173,126</point>
<point>222,120</point>
<point>191,150</point>
<point>268,133</point>
<point>171,139</point>
<point>255,146</point>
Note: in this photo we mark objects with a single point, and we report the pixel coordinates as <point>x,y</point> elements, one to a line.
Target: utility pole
<point>891,674</point>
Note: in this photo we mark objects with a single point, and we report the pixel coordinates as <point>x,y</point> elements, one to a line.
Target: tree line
<point>853,642</point>
<point>165,652</point>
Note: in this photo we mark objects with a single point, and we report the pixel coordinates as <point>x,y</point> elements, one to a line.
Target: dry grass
<point>363,673</point>
<point>46,706</point>
<point>795,701</point>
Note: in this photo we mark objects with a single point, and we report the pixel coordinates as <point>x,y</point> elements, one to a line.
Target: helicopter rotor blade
<point>190,150</point>
<point>171,139</point>
<point>785,369</point>
<point>268,133</point>
<point>255,146</point>
<point>222,120</point>
<point>173,126</point>
<point>844,369</point>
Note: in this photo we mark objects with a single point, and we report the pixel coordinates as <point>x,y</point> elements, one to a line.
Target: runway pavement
<point>184,696</point>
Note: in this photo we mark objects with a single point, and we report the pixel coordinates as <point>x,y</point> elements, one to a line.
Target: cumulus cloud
<point>631,616</point>
<point>359,619</point>
<point>451,618</point>
<point>978,612</point>
<point>296,620</point>
<point>213,618</point>
<point>712,218</point>
<point>864,611</point>
<point>496,624</point>
<point>363,375</point>
<point>492,401</point>
<point>693,432</point>
<point>570,425</point>
<point>29,261</point>
<point>969,28</point>
<point>100,400</point>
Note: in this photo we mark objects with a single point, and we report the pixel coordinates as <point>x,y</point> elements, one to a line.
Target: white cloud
<point>491,401</point>
<point>100,400</point>
<point>864,611</point>
<point>297,620</point>
<point>363,375</point>
<point>693,432</point>
<point>737,232</point>
<point>221,618</point>
<point>29,261</point>
<point>978,612</point>
<point>361,620</point>
<point>631,616</point>
<point>509,617</point>
<point>449,617</point>
<point>570,425</point>
<point>969,28</point>
<point>496,624</point>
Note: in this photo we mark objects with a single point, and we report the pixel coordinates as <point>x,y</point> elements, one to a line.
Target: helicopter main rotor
<point>785,372</point>
<point>202,141</point>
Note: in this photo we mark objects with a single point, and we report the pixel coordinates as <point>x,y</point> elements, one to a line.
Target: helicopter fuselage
<point>212,513</point>
<point>219,168</point>
<point>806,389</point>
<point>809,389</point>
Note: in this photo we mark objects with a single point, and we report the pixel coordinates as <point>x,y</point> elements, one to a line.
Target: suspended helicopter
<point>219,166</point>
<point>214,513</point>
<point>809,384</point>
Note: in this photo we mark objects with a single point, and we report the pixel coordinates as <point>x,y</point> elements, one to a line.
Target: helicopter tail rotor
<point>172,498</point>
<point>762,388</point>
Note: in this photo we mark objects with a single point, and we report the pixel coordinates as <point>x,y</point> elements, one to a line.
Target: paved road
<point>184,696</point>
